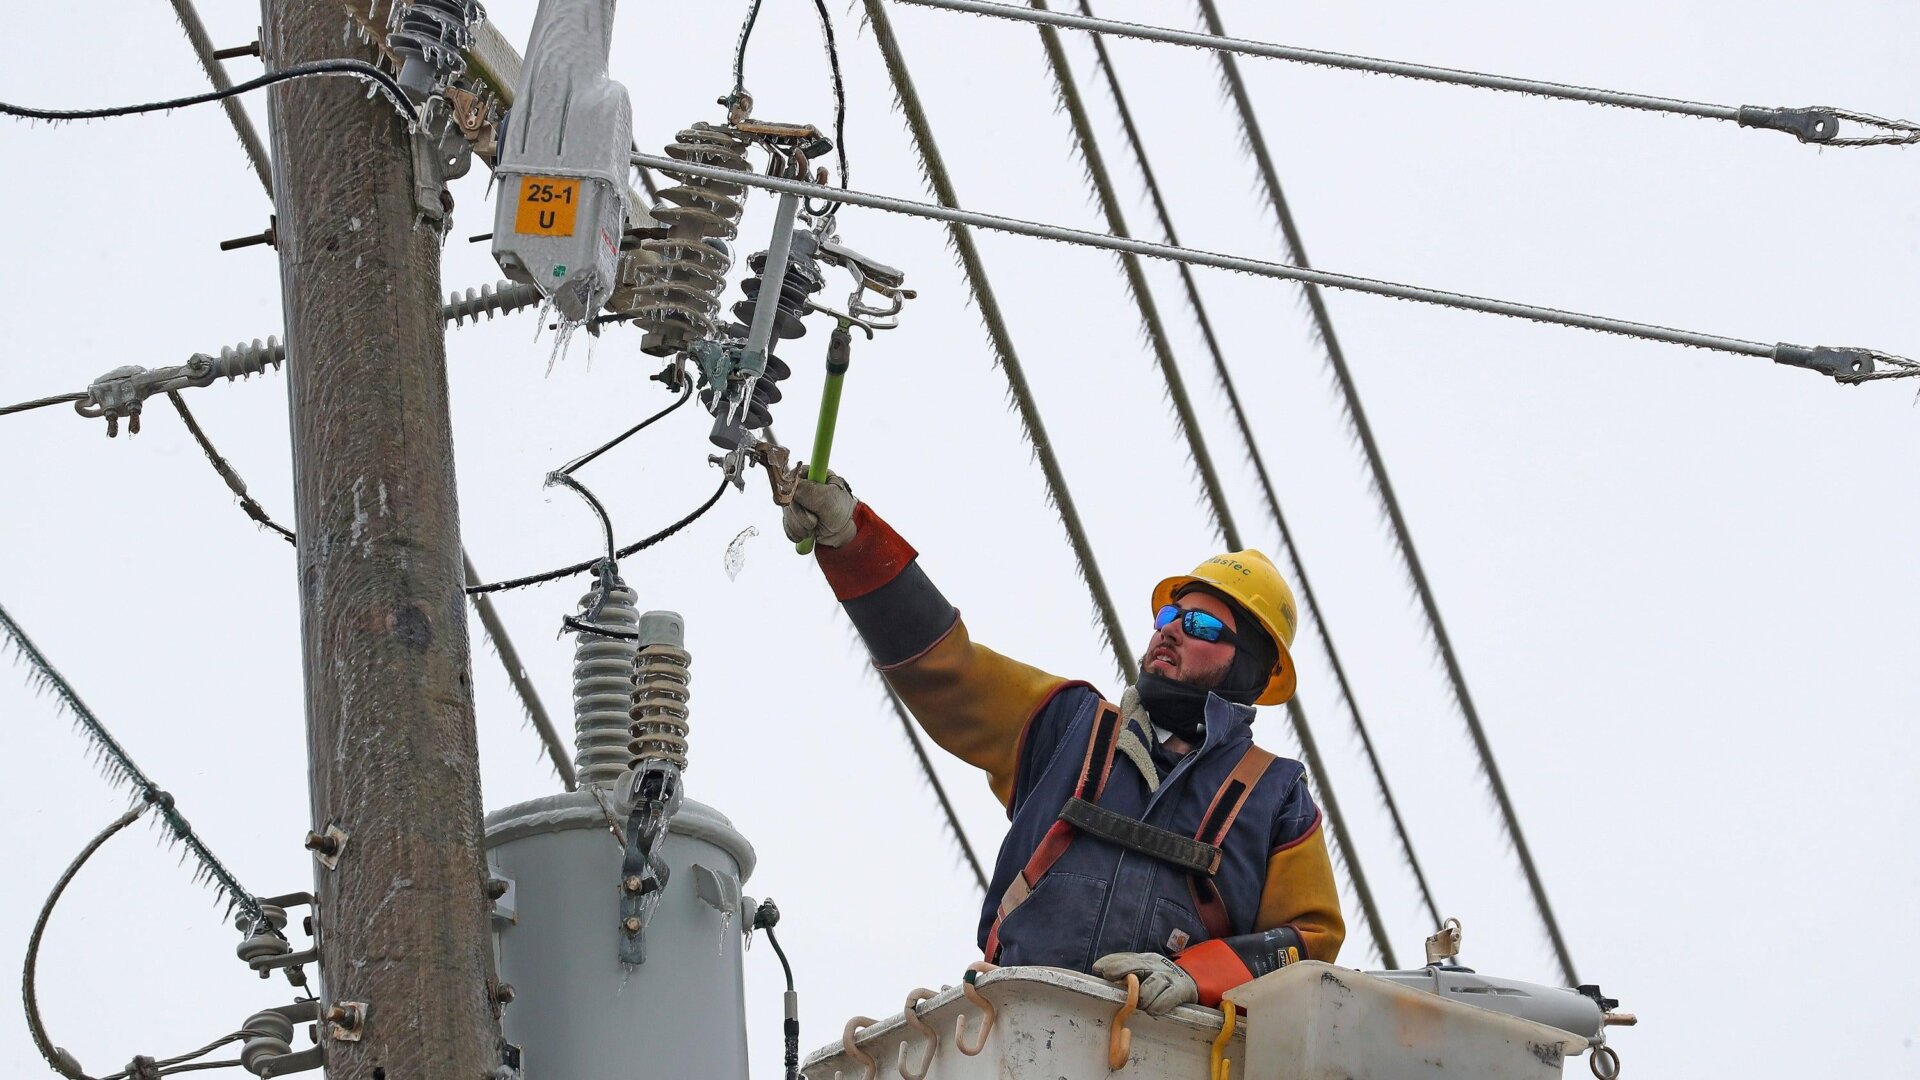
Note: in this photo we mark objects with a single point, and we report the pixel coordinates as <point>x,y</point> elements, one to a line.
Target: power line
<point>933,780</point>
<point>359,69</point>
<point>119,768</point>
<point>587,564</point>
<point>1837,362</point>
<point>41,403</point>
<point>58,1058</point>
<point>234,484</point>
<point>1096,170</point>
<point>1001,340</point>
<point>1225,377</point>
<point>1336,357</point>
<point>1819,125</point>
<point>557,749</point>
<point>1089,146</point>
<point>686,391</point>
<point>217,75</point>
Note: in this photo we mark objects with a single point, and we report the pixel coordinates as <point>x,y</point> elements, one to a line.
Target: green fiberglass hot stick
<point>839,355</point>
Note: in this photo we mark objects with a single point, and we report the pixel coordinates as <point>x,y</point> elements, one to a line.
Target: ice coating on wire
<point>119,768</point>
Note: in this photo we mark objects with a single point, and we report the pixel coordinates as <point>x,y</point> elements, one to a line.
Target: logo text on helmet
<point>1220,560</point>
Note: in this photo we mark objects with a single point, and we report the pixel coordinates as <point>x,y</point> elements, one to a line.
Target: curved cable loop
<point>588,564</point>
<point>60,1060</point>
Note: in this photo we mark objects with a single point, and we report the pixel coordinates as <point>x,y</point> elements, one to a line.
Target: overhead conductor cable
<point>1336,358</point>
<point>1088,143</point>
<point>121,769</point>
<point>1846,365</point>
<point>1819,124</point>
<point>1311,603</point>
<point>1002,341</point>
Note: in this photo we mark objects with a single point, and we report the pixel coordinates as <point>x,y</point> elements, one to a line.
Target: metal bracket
<point>655,797</point>
<point>1835,362</point>
<point>470,115</point>
<point>717,889</point>
<point>505,908</point>
<point>1807,125</point>
<point>1444,946</point>
<point>868,274</point>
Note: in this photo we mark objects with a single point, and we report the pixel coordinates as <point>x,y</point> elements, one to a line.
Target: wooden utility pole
<point>405,951</point>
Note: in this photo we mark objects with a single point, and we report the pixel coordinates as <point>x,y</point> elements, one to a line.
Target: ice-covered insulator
<point>602,677</point>
<point>659,713</point>
<point>430,38</point>
<point>488,300</point>
<point>678,294</point>
<point>262,943</point>
<point>269,1035</point>
<point>802,279</point>
<point>246,359</point>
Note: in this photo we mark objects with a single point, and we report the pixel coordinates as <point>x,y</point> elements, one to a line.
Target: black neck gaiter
<point>1182,709</point>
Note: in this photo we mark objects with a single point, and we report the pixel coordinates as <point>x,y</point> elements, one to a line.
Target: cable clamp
<point>1807,125</point>
<point>1834,362</point>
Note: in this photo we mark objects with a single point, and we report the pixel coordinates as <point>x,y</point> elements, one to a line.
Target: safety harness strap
<point>1094,771</point>
<point>1164,844</point>
<point>1214,825</point>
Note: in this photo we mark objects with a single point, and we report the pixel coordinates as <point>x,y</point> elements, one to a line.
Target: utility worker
<point>1149,836</point>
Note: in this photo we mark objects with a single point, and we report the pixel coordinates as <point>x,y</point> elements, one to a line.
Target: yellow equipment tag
<point>548,205</point>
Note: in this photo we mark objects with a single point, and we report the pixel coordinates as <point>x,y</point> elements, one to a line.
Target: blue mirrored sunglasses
<point>1198,625</point>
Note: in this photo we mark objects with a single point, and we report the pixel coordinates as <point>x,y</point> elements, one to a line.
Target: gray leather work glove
<point>1163,985</point>
<point>822,512</point>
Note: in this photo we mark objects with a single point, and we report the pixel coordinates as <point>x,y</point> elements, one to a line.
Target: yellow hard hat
<point>1251,579</point>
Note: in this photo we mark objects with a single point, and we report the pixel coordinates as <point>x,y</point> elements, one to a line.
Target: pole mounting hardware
<point>346,1020</point>
<point>327,846</point>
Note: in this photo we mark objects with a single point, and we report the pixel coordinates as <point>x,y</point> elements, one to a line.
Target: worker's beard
<point>1180,705</point>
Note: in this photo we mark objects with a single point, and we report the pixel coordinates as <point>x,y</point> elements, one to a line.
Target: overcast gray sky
<point>1679,582</point>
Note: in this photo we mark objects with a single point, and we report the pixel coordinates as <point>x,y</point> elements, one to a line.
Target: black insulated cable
<point>358,69</point>
<point>766,917</point>
<point>587,564</point>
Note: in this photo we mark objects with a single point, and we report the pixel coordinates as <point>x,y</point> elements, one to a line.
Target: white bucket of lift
<point>1049,1024</point>
<point>1313,1021</point>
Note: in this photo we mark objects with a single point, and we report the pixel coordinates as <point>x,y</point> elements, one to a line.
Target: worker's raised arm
<point>971,700</point>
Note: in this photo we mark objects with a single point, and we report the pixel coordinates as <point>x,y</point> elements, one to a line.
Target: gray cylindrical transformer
<point>577,1012</point>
